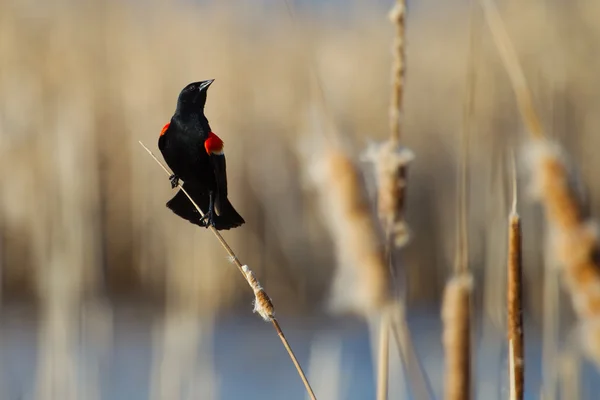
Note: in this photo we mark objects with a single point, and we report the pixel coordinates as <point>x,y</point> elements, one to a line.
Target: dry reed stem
<point>513,68</point>
<point>383,357</point>
<point>456,306</point>
<point>551,298</point>
<point>456,317</point>
<point>362,281</point>
<point>397,15</point>
<point>574,241</point>
<point>514,299</point>
<point>389,158</point>
<point>391,163</point>
<point>462,237</point>
<point>262,302</point>
<point>362,277</point>
<point>420,385</point>
<point>391,167</point>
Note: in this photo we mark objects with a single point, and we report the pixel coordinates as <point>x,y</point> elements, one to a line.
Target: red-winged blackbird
<point>195,154</point>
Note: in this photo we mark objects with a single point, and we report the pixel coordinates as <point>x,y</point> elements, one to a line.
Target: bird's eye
<point>193,87</point>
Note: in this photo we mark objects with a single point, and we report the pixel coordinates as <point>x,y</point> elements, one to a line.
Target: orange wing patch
<point>214,144</point>
<point>164,129</point>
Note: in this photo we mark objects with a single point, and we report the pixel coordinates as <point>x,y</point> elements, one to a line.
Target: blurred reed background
<point>83,221</point>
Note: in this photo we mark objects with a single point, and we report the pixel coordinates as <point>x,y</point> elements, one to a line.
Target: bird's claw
<point>174,181</point>
<point>207,220</point>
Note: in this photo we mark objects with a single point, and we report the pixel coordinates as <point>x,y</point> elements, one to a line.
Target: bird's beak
<point>205,84</point>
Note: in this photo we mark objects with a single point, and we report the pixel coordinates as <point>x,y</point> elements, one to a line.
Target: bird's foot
<point>208,219</point>
<point>174,181</point>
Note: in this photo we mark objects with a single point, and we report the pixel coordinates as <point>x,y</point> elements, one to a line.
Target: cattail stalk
<point>456,306</point>
<point>574,243</point>
<point>262,303</point>
<point>419,382</point>
<point>383,357</point>
<point>362,280</point>
<point>514,302</point>
<point>391,164</point>
<point>574,240</point>
<point>456,318</point>
<point>397,16</point>
<point>515,71</point>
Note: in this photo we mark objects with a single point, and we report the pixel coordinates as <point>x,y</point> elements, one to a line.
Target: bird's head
<point>193,97</point>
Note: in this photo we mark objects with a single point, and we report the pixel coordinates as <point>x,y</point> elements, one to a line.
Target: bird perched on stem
<point>195,155</point>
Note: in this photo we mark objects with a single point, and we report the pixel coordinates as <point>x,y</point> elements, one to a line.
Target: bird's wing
<point>220,169</point>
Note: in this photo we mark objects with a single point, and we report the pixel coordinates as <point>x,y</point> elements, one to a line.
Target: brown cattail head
<point>574,240</point>
<point>515,307</point>
<point>391,167</point>
<point>262,303</point>
<point>362,281</point>
<point>456,317</point>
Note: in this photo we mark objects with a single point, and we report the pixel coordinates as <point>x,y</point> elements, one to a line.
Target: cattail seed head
<point>574,240</point>
<point>262,303</point>
<point>456,317</point>
<point>515,307</point>
<point>362,281</point>
<point>391,166</point>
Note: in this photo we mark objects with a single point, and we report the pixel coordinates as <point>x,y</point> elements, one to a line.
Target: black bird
<point>195,155</point>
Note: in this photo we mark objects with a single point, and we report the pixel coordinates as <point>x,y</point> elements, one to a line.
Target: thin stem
<point>246,276</point>
<point>383,357</point>
<point>513,68</point>
<point>398,17</point>
<point>462,240</point>
<point>419,383</point>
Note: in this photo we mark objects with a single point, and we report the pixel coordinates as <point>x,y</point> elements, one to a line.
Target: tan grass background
<point>82,206</point>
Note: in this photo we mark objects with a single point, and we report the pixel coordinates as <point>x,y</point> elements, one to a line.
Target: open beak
<point>205,84</point>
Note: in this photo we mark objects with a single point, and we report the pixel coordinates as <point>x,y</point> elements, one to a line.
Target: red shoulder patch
<point>214,144</point>
<point>164,129</point>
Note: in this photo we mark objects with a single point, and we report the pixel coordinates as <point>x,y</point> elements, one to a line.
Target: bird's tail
<point>182,206</point>
<point>228,217</point>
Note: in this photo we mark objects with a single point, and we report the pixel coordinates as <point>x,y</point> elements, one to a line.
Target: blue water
<point>240,357</point>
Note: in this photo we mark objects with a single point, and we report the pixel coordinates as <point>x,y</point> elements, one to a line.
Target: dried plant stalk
<point>389,158</point>
<point>515,307</point>
<point>574,241</point>
<point>383,356</point>
<point>391,167</point>
<point>420,384</point>
<point>456,317</point>
<point>513,68</point>
<point>397,16</point>
<point>362,280</point>
<point>262,302</point>
<point>456,306</point>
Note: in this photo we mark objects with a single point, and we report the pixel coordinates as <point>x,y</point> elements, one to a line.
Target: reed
<point>456,303</point>
<point>361,283</point>
<point>573,238</point>
<point>456,337</point>
<point>514,301</point>
<point>390,160</point>
<point>262,302</point>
